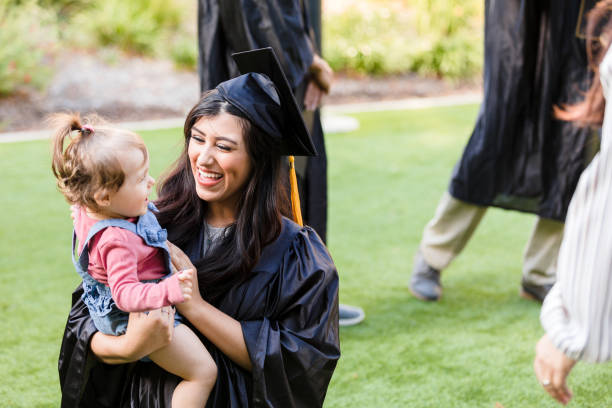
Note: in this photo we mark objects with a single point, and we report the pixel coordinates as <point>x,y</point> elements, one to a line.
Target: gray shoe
<point>425,280</point>
<point>350,315</point>
<point>534,292</point>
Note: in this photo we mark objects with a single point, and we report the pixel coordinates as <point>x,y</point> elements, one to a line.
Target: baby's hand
<point>185,278</point>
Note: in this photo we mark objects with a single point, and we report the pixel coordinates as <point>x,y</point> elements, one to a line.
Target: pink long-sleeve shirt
<point>121,259</point>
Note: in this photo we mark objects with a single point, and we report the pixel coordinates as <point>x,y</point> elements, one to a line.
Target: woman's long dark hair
<point>261,206</point>
<point>590,112</point>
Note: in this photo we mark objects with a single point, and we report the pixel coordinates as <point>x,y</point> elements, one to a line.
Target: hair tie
<point>87,128</point>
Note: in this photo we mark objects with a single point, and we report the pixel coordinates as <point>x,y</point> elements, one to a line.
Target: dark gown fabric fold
<point>519,157</point>
<point>229,26</point>
<point>288,311</point>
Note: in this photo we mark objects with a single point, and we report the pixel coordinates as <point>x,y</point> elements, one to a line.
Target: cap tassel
<point>295,195</point>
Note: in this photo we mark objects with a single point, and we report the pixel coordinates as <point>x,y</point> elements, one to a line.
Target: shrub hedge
<point>430,37</point>
<point>27,35</point>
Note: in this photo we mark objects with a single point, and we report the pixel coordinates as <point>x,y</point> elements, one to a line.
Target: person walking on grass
<point>519,157</point>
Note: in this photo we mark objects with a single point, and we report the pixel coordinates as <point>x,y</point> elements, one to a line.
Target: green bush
<point>451,38</point>
<point>29,29</point>
<point>443,38</point>
<point>184,52</point>
<point>361,42</point>
<point>66,8</point>
<point>138,26</point>
<point>27,32</point>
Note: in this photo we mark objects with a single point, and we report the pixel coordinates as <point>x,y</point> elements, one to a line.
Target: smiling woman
<point>267,305</point>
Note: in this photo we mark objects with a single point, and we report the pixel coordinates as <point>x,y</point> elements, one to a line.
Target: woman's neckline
<point>217,225</point>
<point>213,228</point>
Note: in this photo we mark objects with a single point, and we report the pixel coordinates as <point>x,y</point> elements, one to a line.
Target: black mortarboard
<point>263,94</point>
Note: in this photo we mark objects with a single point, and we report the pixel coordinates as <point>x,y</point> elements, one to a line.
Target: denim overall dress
<point>107,317</point>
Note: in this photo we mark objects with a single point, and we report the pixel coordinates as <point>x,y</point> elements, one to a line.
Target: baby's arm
<point>120,262</point>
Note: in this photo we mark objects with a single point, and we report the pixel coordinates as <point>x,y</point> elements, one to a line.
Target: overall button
<point>157,235</point>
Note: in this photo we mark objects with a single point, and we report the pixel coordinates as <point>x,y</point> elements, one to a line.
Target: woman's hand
<point>187,273</point>
<point>552,367</point>
<point>149,331</point>
<point>322,77</point>
<point>180,261</point>
<point>146,332</point>
<point>321,73</point>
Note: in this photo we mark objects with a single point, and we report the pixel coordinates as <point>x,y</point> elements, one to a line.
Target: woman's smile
<point>209,178</point>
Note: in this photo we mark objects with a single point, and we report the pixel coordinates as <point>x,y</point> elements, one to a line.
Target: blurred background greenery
<point>153,28</point>
<point>441,38</point>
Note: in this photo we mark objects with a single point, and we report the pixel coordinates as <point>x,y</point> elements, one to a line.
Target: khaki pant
<point>448,232</point>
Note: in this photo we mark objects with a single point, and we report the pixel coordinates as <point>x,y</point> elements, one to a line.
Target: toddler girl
<point>124,259</point>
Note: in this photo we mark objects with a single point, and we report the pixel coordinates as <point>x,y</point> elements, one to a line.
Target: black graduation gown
<point>288,311</point>
<point>229,26</point>
<point>519,157</point>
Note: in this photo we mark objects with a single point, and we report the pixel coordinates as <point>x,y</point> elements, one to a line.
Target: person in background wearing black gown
<point>268,310</point>
<point>229,26</point>
<point>519,157</point>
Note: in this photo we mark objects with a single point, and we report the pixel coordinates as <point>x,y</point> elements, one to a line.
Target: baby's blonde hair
<point>89,162</point>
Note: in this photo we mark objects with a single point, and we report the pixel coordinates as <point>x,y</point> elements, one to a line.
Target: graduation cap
<point>264,96</point>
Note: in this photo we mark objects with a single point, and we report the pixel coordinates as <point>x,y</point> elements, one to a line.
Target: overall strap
<point>97,227</point>
<point>153,234</point>
<point>148,228</point>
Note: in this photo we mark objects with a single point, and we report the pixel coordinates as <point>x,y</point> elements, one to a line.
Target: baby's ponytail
<point>67,160</point>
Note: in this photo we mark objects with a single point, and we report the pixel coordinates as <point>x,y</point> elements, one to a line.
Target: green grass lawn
<point>472,349</point>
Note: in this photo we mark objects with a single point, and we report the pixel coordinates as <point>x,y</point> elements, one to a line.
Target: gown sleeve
<point>294,348</point>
